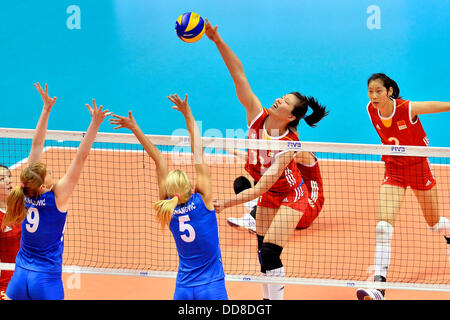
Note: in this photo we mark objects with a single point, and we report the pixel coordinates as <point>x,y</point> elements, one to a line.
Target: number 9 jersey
<point>42,242</point>
<point>196,234</point>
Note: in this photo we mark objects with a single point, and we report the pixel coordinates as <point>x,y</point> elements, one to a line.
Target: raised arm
<point>161,165</point>
<point>203,185</point>
<point>41,127</point>
<point>265,183</point>
<point>64,187</point>
<point>244,93</point>
<point>425,107</point>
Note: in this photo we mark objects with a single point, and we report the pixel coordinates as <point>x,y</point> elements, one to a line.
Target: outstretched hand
<point>180,105</point>
<point>97,114</point>
<point>211,32</point>
<point>48,102</point>
<point>123,122</point>
<point>218,206</point>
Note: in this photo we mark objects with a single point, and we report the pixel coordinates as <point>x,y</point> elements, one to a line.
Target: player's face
<point>282,107</point>
<point>5,183</point>
<point>378,94</point>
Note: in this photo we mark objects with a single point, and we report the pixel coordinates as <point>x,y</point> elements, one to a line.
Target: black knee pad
<point>270,256</point>
<point>260,244</point>
<point>240,184</point>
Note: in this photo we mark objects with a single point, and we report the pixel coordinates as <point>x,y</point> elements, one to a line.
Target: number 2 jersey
<point>196,234</point>
<point>258,161</point>
<point>42,242</point>
<point>399,129</point>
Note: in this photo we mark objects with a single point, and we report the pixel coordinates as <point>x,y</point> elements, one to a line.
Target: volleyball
<point>190,27</point>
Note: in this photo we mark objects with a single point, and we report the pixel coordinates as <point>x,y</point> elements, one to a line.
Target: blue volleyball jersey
<point>194,228</point>
<point>42,242</point>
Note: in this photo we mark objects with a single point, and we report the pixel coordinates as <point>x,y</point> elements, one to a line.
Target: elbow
<point>238,74</point>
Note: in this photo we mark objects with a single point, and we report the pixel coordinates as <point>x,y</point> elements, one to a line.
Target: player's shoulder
<point>402,104</point>
<point>258,120</point>
<point>291,136</point>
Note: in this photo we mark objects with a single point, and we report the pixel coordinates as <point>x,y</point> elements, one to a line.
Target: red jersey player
<point>278,178</point>
<point>9,236</point>
<point>308,165</point>
<point>397,123</point>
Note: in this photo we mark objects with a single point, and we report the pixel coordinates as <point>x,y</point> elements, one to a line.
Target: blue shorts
<point>212,291</point>
<point>32,285</point>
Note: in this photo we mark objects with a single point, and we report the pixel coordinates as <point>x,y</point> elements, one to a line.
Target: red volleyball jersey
<point>9,246</point>
<point>399,129</point>
<point>258,161</point>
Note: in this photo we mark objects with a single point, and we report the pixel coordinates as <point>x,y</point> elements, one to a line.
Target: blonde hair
<point>179,189</point>
<point>31,178</point>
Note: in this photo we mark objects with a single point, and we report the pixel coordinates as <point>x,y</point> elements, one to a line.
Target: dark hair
<point>387,83</point>
<point>300,109</point>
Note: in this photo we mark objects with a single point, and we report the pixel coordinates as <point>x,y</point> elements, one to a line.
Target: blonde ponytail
<point>178,188</point>
<point>32,177</point>
<point>164,210</point>
<point>15,208</point>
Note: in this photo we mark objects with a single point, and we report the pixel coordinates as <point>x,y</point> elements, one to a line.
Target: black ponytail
<point>318,111</point>
<point>387,83</point>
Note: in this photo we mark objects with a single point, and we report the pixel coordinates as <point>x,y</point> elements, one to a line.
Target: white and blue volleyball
<point>190,27</point>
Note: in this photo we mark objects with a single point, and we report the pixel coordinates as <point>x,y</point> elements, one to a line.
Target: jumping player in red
<point>9,236</point>
<point>280,188</point>
<point>397,123</point>
<point>308,165</point>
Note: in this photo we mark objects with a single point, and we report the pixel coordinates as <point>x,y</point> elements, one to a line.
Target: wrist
<point>218,41</point>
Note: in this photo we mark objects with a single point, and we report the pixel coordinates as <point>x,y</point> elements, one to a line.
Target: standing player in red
<point>397,123</point>
<point>279,181</point>
<point>9,236</point>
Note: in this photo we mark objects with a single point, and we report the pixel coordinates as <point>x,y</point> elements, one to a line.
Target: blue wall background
<point>127,56</point>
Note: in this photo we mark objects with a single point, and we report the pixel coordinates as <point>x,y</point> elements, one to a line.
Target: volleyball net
<point>111,226</point>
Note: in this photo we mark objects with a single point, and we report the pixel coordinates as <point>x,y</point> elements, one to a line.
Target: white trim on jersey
<point>312,164</point>
<point>284,151</point>
<point>314,191</point>
<point>393,112</point>
<point>289,176</point>
<point>409,112</point>
<point>367,108</point>
<point>274,138</point>
<point>256,118</point>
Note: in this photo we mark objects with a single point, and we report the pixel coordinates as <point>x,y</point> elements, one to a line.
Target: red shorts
<point>418,176</point>
<point>312,212</point>
<point>296,199</point>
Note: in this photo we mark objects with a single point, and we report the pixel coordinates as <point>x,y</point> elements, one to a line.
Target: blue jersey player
<point>41,206</point>
<point>190,215</point>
